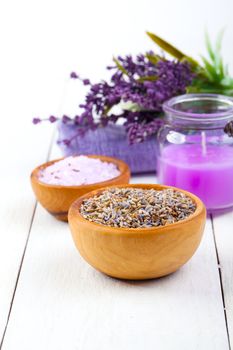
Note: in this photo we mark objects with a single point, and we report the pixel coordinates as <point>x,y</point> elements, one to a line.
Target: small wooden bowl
<point>57,199</point>
<point>137,253</point>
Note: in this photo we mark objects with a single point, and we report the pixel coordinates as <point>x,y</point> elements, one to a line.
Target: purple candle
<point>195,153</point>
<point>209,175</point>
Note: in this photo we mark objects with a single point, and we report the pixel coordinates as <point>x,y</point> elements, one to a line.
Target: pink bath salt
<point>79,170</point>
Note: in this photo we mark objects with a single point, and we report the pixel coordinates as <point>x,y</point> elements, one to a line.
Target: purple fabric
<point>111,141</point>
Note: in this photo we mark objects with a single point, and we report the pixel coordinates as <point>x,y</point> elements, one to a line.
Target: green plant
<point>211,75</point>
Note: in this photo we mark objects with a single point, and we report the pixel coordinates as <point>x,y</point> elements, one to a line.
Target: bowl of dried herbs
<point>138,231</point>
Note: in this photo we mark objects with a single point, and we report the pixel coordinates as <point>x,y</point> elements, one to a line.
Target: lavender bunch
<point>139,86</point>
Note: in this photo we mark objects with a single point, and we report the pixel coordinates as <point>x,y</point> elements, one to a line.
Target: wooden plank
<point>63,303</point>
<point>223,229</point>
<point>21,150</point>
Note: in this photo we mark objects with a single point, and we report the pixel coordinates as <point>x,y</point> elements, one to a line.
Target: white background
<point>42,41</point>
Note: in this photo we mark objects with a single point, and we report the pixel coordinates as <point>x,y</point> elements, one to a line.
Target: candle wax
<point>208,175</point>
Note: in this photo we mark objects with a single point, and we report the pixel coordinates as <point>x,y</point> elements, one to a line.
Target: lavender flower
<point>144,83</point>
<point>53,119</point>
<point>73,75</point>
<point>66,119</point>
<point>139,132</point>
<point>36,120</point>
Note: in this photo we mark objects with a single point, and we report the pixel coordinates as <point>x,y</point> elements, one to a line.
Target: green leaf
<point>210,70</point>
<point>147,78</point>
<point>209,47</point>
<point>166,46</point>
<point>219,41</point>
<point>130,106</point>
<point>120,67</point>
<point>153,58</point>
<point>172,50</point>
<point>221,71</point>
<point>191,61</point>
<point>106,110</point>
<point>215,56</point>
<point>227,81</point>
<point>218,59</point>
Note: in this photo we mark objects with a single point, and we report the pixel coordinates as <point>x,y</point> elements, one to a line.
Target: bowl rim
<point>75,207</point>
<point>121,165</point>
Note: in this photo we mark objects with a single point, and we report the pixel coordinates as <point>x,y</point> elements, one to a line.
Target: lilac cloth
<point>111,141</point>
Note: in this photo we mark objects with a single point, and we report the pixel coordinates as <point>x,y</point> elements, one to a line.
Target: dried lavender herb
<point>137,208</point>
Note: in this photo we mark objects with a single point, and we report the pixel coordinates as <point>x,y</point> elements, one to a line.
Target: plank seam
<point>221,283</point>
<point>25,248</point>
<point>18,275</point>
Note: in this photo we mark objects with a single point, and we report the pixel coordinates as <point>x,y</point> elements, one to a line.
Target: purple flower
<point>86,81</point>
<point>139,132</point>
<point>66,119</point>
<point>66,142</point>
<point>73,75</point>
<point>138,81</point>
<point>146,85</point>
<point>53,119</point>
<point>36,120</point>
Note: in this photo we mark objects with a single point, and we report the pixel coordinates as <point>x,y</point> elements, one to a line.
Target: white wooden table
<point>51,299</point>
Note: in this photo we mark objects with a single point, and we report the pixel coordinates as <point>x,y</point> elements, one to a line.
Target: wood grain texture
<point>62,303</point>
<point>17,202</point>
<point>134,253</point>
<point>57,199</point>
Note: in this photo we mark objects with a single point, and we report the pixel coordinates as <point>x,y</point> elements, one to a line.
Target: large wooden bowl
<point>136,253</point>
<point>57,199</point>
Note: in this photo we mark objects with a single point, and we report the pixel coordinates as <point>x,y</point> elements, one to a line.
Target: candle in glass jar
<point>207,174</point>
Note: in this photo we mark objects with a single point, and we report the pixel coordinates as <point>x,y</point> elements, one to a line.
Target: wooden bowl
<point>136,253</point>
<point>57,199</point>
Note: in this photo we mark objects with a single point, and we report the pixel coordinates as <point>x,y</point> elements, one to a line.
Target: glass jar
<point>195,153</point>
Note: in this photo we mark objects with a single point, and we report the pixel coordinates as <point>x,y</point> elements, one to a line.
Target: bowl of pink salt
<point>58,183</point>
